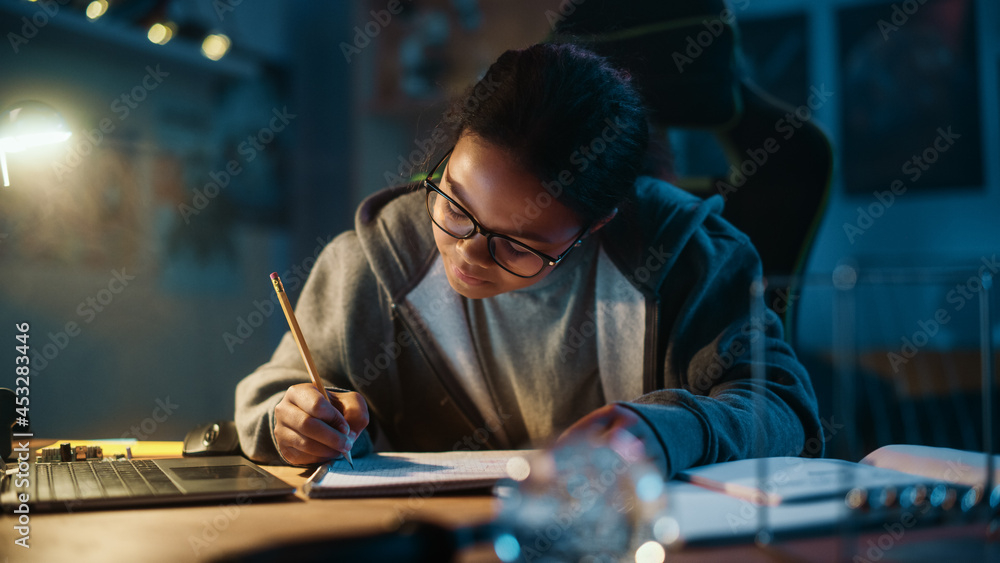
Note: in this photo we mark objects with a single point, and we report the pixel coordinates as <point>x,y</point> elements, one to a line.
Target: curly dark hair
<point>565,115</point>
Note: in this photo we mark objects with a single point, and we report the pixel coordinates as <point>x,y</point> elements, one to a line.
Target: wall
<point>949,227</point>
<point>953,227</point>
<point>146,288</point>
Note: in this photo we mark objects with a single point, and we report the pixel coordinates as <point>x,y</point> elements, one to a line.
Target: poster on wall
<point>910,113</point>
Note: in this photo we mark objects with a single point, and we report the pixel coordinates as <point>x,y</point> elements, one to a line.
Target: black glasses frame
<point>490,235</point>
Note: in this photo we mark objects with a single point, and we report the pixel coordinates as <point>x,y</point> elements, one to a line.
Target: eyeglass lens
<point>512,256</point>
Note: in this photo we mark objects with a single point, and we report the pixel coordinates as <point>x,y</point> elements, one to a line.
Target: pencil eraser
<point>274,275</point>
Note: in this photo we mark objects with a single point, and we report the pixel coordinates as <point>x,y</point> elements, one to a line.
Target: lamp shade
<point>29,124</point>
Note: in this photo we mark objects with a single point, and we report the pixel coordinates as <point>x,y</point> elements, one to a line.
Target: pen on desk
<point>301,342</point>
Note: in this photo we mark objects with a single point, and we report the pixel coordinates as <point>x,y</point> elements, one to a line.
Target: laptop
<point>80,485</point>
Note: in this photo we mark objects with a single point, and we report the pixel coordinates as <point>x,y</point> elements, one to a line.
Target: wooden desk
<point>204,532</point>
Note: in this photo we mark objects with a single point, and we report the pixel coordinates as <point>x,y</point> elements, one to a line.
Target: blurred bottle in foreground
<point>588,500</point>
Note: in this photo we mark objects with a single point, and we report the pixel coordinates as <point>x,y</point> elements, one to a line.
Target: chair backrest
<point>781,179</point>
<point>682,56</point>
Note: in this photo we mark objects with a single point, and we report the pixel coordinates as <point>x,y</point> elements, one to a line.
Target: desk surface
<point>205,532</point>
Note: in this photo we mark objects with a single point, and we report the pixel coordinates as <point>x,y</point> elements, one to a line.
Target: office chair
<point>683,58</point>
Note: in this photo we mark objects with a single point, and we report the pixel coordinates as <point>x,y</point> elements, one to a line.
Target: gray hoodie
<point>671,322</point>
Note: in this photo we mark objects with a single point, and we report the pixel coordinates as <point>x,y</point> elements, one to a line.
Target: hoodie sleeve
<point>340,289</point>
<point>711,409</point>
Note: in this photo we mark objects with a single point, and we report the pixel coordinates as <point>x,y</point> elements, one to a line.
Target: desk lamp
<point>29,124</point>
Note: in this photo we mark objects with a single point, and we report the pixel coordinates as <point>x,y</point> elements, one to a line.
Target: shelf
<point>75,27</point>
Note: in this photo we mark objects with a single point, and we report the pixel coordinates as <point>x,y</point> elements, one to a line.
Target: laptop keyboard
<point>100,479</point>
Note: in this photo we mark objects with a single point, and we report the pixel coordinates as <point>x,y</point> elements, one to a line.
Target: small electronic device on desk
<point>67,452</point>
<point>215,438</point>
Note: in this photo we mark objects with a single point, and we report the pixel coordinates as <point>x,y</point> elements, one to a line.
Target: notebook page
<point>795,479</point>
<point>394,473</point>
<point>947,464</point>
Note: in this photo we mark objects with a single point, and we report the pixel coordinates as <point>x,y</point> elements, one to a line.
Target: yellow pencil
<point>301,342</point>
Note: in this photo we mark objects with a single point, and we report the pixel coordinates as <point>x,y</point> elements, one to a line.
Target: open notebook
<point>782,480</point>
<point>403,473</point>
<point>735,500</point>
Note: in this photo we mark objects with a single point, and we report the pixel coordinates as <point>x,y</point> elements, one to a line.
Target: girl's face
<point>504,199</point>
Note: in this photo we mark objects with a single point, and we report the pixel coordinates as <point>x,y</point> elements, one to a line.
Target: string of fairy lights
<point>161,29</point>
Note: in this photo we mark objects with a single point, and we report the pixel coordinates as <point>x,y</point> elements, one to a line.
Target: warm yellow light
<point>26,125</point>
<point>161,33</point>
<point>650,552</point>
<point>29,124</point>
<point>97,8</point>
<point>32,140</point>
<point>215,46</point>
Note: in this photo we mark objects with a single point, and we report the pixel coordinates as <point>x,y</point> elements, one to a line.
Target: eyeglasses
<point>511,255</point>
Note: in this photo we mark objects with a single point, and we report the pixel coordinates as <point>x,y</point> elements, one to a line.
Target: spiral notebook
<point>405,473</point>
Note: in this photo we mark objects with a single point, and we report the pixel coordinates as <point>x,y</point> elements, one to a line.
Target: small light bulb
<point>161,33</point>
<point>215,46</point>
<point>96,9</point>
<point>650,552</point>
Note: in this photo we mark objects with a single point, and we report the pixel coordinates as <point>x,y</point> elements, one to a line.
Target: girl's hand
<point>308,429</point>
<point>609,419</point>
